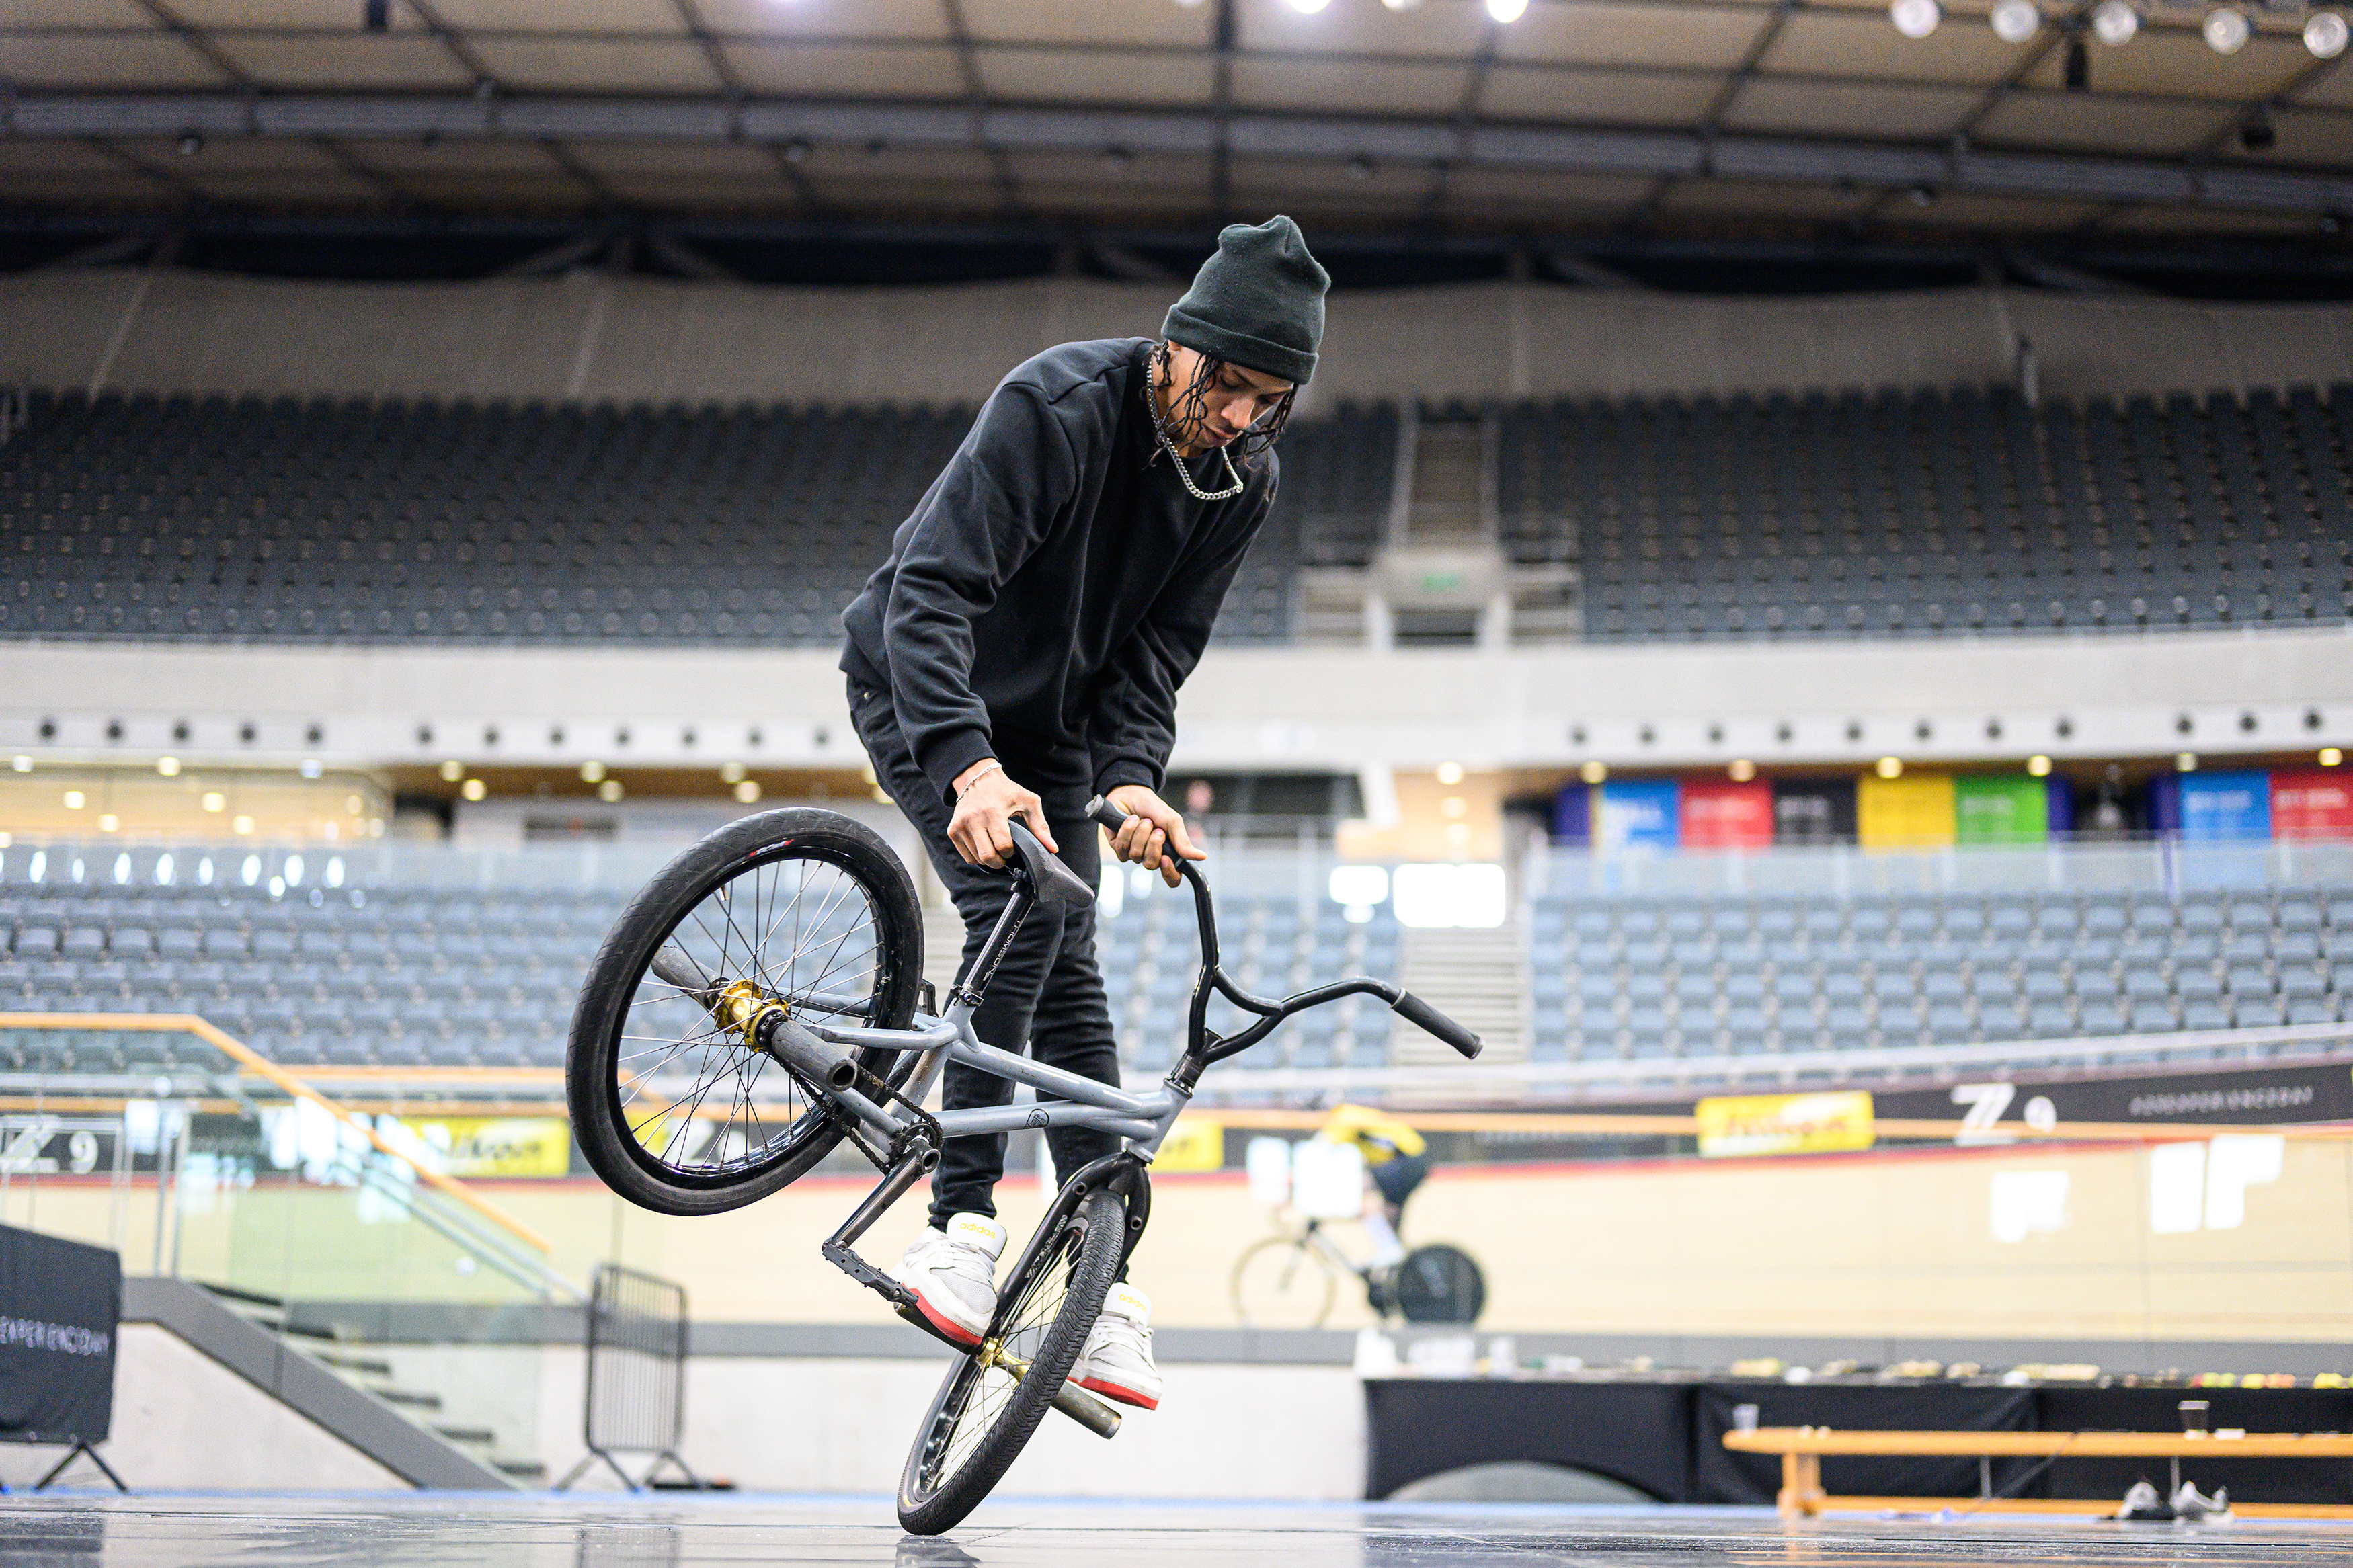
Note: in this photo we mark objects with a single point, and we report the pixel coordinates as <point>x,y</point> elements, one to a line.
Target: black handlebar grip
<point>1102,811</point>
<point>1422,1014</point>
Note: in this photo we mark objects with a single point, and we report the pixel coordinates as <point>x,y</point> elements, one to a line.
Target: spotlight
<point>1742,771</point>
<point>1921,195</point>
<point>2257,131</point>
<point>1401,5</point>
<point>2326,35</point>
<point>191,144</point>
<point>2039,766</point>
<point>1309,7</point>
<point>2331,756</point>
<point>2226,30</point>
<point>1914,19</point>
<point>797,150</point>
<point>1449,774</point>
<point>2114,22</point>
<point>2078,68</point>
<point>1889,767</point>
<point>1593,772</point>
<point>2015,21</point>
<point>473,789</point>
<point>2186,763</point>
<point>1506,10</point>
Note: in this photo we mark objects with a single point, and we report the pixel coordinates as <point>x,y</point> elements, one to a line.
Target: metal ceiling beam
<point>1338,139</point>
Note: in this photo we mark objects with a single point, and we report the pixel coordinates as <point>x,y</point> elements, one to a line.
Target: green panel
<point>2001,810</point>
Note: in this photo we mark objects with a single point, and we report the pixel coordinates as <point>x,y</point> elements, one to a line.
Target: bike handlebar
<point>1413,1008</point>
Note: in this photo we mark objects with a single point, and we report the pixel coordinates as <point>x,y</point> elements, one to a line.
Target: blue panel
<point>2061,816</point>
<point>1646,812</point>
<point>1572,815</point>
<point>2224,806</point>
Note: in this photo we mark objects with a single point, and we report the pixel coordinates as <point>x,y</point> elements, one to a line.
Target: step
<point>343,1362</point>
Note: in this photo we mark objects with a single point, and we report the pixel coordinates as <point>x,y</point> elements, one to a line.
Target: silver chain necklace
<point>1184,476</point>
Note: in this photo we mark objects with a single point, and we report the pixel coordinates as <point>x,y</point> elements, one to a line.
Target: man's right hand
<point>987,800</point>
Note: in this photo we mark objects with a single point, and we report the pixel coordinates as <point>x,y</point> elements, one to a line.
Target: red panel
<point>2315,803</point>
<point>1722,816</point>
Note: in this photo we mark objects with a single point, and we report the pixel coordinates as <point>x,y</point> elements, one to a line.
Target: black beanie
<point>1257,304</point>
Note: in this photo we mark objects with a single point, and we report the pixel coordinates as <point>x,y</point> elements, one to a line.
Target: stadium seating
<point>275,520</point>
<point>1907,514</point>
<point>1666,978</point>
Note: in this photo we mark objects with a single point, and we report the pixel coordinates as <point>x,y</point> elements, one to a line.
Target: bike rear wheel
<point>805,907</point>
<point>1439,1284</point>
<point>1281,1283</point>
<point>986,1411</point>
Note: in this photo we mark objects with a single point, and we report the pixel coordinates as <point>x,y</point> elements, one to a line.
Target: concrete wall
<point>1244,708</point>
<point>182,1420</point>
<point>592,337</point>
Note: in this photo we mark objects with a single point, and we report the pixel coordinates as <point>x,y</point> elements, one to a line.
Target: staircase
<point>1479,978</point>
<point>1450,485</point>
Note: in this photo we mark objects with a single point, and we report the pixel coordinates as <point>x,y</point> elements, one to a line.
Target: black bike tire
<point>923,1512</point>
<point>1460,1301</point>
<point>591,1086</point>
<point>1271,1243</point>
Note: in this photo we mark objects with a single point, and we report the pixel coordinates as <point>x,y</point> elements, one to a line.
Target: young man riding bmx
<point>1020,650</point>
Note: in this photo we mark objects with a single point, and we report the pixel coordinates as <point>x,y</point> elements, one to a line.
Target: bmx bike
<point>759,1003</point>
<point>1291,1280</point>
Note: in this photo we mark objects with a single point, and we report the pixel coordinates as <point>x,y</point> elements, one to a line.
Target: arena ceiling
<point>1580,116</point>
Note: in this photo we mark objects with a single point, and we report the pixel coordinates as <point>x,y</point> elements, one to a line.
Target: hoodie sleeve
<point>984,516</point>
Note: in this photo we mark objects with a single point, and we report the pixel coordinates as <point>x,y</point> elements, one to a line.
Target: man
<point>1021,650</point>
<point>1395,1160</point>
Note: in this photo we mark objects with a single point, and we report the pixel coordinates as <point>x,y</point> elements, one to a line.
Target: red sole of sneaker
<point>1123,1395</point>
<point>955,1331</point>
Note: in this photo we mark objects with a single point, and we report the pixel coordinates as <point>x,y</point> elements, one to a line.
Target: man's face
<point>1234,400</point>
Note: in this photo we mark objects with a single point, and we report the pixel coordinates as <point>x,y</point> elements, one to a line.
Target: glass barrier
<point>214,1166</point>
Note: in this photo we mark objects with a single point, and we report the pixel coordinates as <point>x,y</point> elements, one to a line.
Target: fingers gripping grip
<point>1426,1016</point>
<point>1104,812</point>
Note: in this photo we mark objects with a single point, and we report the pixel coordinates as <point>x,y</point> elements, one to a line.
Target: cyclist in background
<point>1395,1160</point>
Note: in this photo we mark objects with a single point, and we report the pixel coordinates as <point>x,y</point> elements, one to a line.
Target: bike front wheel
<point>1281,1282</point>
<point>994,1397</point>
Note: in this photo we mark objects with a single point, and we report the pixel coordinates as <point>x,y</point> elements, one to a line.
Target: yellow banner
<point>1195,1143</point>
<point>496,1146</point>
<point>1784,1123</point>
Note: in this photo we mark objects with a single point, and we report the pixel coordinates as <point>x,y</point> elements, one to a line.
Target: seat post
<point>975,983</point>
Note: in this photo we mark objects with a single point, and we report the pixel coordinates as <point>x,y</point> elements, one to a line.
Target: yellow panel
<point>2086,121</point>
<point>1195,1143</point>
<point>1915,809</point>
<point>1090,21</point>
<point>1095,75</point>
<point>1315,84</point>
<point>101,61</point>
<point>1696,37</point>
<point>1596,98</point>
<point>595,65</point>
<point>1736,1125</point>
<point>1866,44</point>
<point>845,68</point>
<point>348,60</point>
<point>1766,104</point>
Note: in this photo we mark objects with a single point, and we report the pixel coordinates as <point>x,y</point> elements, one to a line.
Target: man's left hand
<point>1154,834</point>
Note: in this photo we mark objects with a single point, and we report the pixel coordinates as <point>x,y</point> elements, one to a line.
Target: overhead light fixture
<point>2226,30</point>
<point>2039,766</point>
<point>1921,195</point>
<point>2078,68</point>
<point>1914,19</point>
<point>1401,5</point>
<point>2331,756</point>
<point>1742,771</point>
<point>1309,7</point>
<point>1508,10</point>
<point>2326,35</point>
<point>2113,23</point>
<point>191,144</point>
<point>2015,21</point>
<point>1889,767</point>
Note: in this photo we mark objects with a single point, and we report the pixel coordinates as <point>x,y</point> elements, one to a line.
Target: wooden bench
<point>1802,1449</point>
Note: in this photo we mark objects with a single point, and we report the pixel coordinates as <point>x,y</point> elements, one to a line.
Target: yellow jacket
<point>1380,1138</point>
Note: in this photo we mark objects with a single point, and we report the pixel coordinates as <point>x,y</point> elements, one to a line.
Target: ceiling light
<point>1921,195</point>
<point>1593,772</point>
<point>1889,767</point>
<point>1189,5</point>
<point>2326,35</point>
<point>2039,766</point>
<point>1401,5</point>
<point>1309,7</point>
<point>452,772</point>
<point>592,772</point>
<point>213,800</point>
<point>1914,19</point>
<point>2015,21</point>
<point>747,791</point>
<point>2226,30</point>
<point>191,144</point>
<point>1742,771</point>
<point>2187,762</point>
<point>609,791</point>
<point>2331,756</point>
<point>76,800</point>
<point>1450,773</point>
<point>473,789</point>
<point>1508,10</point>
<point>2114,22</point>
<point>168,766</point>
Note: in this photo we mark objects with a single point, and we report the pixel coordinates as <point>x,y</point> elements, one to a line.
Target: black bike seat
<point>1055,883</point>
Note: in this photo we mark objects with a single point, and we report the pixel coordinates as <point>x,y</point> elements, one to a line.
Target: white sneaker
<point>1116,1362</point>
<point>953,1275</point>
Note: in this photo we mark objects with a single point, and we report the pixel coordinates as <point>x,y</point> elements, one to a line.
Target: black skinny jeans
<point>1047,995</point>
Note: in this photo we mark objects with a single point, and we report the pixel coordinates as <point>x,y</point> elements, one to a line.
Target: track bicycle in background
<point>1292,1281</point>
<point>760,1002</point>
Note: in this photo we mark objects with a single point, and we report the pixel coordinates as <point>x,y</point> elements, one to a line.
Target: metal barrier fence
<point>636,1400</point>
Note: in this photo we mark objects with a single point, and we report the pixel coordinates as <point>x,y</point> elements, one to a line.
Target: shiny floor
<point>461,1531</point>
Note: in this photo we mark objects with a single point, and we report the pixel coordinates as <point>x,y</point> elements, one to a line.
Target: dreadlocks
<point>1190,410</point>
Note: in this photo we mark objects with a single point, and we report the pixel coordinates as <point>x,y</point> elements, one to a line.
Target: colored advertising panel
<point>2313,804</point>
<point>2001,809</point>
<point>1814,810</point>
<point>1638,814</point>
<point>1910,812</point>
<point>1720,814</point>
<point>2215,806</point>
<point>1749,1124</point>
<point>473,1146</point>
<point>1572,815</point>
